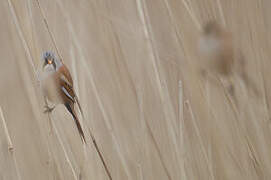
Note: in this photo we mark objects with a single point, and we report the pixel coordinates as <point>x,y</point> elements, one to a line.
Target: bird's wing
<point>66,84</point>
<point>66,76</point>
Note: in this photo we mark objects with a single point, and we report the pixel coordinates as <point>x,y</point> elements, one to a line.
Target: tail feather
<point>70,108</point>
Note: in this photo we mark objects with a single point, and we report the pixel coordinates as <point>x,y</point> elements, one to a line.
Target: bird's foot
<point>48,109</point>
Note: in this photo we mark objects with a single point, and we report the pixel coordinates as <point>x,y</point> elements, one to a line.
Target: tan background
<point>134,64</point>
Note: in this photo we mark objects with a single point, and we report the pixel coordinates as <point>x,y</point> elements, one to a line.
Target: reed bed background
<point>135,68</point>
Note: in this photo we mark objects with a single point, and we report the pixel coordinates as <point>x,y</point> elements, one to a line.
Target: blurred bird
<point>220,57</point>
<point>57,86</point>
<point>216,47</point>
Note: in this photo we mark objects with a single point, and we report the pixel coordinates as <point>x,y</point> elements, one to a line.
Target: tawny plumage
<point>218,56</point>
<point>216,48</point>
<point>57,85</point>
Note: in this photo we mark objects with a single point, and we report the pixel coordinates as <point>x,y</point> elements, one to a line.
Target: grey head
<point>49,58</point>
<point>211,28</point>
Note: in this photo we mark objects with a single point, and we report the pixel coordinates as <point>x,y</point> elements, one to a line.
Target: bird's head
<point>211,28</point>
<point>49,59</point>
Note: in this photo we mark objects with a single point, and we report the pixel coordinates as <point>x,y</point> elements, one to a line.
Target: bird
<point>216,49</point>
<point>220,57</point>
<point>57,87</point>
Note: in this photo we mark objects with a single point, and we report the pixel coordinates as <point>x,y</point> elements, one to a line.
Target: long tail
<point>70,108</point>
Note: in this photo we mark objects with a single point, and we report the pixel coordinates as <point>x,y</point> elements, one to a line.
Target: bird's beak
<point>48,61</point>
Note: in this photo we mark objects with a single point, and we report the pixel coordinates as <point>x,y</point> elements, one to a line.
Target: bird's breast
<point>51,89</point>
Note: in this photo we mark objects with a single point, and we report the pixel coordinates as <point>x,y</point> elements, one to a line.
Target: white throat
<point>209,44</point>
<point>49,68</point>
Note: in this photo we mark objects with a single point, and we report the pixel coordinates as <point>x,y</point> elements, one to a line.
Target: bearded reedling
<point>221,58</point>
<point>57,86</point>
